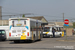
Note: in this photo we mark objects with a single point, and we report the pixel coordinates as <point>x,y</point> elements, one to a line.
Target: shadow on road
<point>24,42</point>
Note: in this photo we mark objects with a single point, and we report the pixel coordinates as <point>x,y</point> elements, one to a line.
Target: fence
<point>4,22</point>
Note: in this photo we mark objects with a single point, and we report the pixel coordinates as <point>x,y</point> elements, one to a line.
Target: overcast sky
<point>50,9</point>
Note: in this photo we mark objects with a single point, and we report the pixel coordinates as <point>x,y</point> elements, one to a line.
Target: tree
<point>23,15</point>
<point>73,24</point>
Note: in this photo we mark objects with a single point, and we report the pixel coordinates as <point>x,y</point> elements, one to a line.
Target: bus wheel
<point>16,41</point>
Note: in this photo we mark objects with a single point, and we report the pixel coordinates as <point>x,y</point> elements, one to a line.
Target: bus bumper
<point>18,38</point>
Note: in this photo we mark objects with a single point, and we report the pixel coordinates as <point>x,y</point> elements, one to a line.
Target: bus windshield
<point>46,29</point>
<point>2,32</point>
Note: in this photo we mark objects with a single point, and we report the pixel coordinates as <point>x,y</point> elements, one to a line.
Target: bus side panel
<point>35,29</point>
<point>10,23</point>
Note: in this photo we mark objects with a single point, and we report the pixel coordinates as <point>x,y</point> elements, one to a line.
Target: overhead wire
<point>15,14</point>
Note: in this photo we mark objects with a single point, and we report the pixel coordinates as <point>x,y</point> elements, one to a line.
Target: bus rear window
<point>19,23</point>
<point>46,29</point>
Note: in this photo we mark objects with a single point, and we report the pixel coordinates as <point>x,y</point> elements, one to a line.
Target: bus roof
<point>49,26</point>
<point>19,18</point>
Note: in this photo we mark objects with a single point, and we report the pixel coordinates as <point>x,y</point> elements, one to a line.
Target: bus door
<point>58,30</point>
<point>37,30</point>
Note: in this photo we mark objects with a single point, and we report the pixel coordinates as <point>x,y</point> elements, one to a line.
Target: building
<point>39,18</point>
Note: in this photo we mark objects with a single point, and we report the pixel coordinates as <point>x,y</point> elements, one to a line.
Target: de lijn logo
<point>66,22</point>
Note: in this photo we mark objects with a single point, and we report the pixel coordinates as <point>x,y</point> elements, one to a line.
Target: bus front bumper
<point>47,34</point>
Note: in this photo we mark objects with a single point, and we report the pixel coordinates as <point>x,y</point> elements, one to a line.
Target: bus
<point>48,31</point>
<point>24,29</point>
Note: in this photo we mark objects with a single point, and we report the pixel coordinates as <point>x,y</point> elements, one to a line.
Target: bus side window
<point>54,29</point>
<point>59,29</point>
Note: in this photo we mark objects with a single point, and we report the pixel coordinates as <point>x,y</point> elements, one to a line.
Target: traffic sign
<point>66,21</point>
<point>66,25</point>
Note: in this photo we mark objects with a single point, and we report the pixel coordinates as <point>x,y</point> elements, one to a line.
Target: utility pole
<point>63,17</point>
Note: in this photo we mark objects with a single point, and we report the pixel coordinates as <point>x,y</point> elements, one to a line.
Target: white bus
<point>24,29</point>
<point>48,31</point>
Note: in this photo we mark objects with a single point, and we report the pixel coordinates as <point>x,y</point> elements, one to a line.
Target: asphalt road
<point>45,44</point>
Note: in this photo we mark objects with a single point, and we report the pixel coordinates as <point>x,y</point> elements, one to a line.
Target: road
<point>44,44</point>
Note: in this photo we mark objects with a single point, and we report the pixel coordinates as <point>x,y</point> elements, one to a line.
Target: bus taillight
<point>28,34</point>
<point>9,34</point>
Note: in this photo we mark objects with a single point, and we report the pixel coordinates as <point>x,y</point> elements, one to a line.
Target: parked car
<point>2,35</point>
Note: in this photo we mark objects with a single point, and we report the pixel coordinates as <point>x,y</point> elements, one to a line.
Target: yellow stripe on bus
<point>62,33</point>
<point>46,32</point>
<point>32,35</point>
<point>23,37</point>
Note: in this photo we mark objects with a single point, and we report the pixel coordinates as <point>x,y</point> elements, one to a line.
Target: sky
<point>50,9</point>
